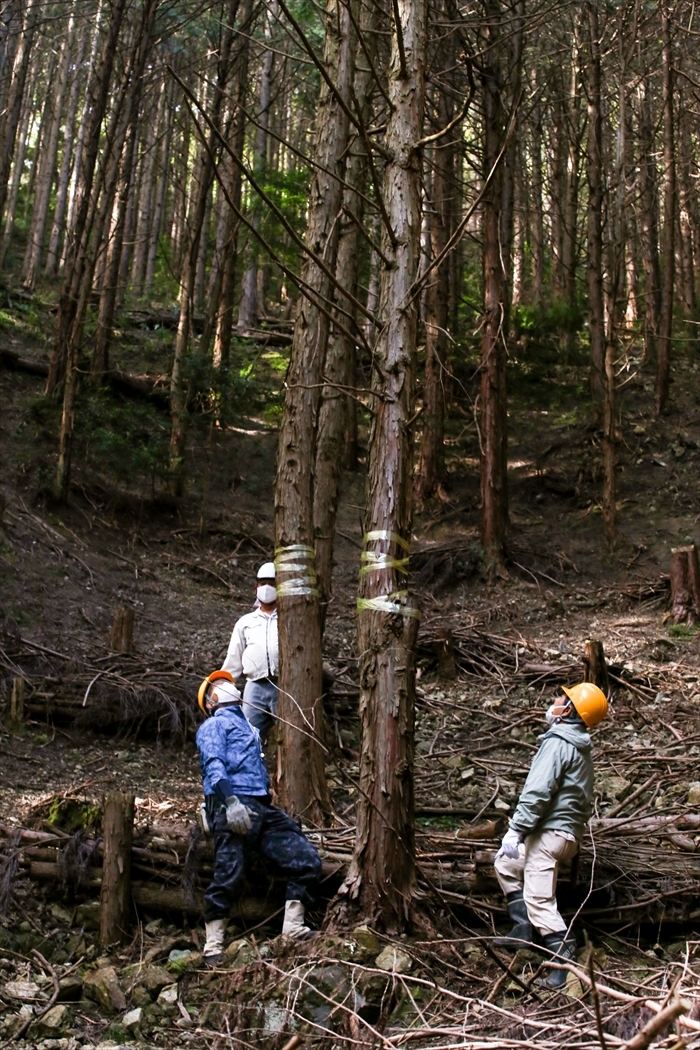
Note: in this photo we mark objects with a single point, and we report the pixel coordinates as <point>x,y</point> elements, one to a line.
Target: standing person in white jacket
<point>254,652</point>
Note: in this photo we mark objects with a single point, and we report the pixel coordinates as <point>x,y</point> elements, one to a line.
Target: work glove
<point>509,845</point>
<point>237,816</point>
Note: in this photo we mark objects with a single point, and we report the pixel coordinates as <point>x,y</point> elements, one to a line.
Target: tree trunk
<point>596,312</point>
<point>494,439</point>
<point>17,703</point>
<point>382,874</point>
<point>445,652</point>
<point>159,210</point>
<point>649,224</point>
<point>595,667</point>
<point>64,351</point>
<point>687,207</point>
<point>609,449</point>
<point>571,182</point>
<point>126,246</point>
<point>115,896</point>
<point>188,272</point>
<point>249,307</point>
<point>431,469</point>
<point>77,285</point>
<point>121,639</point>
<point>146,198</point>
<point>178,224</point>
<point>201,267</point>
<point>663,372</point>
<point>59,212</point>
<point>13,111</point>
<point>47,167</point>
<point>222,309</point>
<point>86,116</point>
<point>110,283</point>
<point>300,767</point>
<point>685,585</point>
<point>18,163</point>
<point>537,203</point>
<point>340,356</point>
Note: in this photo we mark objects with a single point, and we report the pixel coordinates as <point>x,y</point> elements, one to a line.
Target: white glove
<point>237,816</point>
<point>509,845</point>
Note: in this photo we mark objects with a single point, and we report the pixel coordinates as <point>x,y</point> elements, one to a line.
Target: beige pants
<point>534,871</point>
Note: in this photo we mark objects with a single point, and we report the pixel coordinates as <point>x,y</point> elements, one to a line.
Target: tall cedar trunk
<point>300,766</point>
<point>663,371</point>
<point>110,283</point>
<point>188,270</point>
<point>537,204</point>
<point>649,223</point>
<point>220,210</point>
<point>340,356</point>
<point>557,194</point>
<point>59,211</point>
<point>381,877</point>
<point>87,116</point>
<point>222,298</point>
<point>128,234</point>
<point>494,496</point>
<point>159,210</point>
<point>179,205</point>
<point>18,162</point>
<point>520,210</point>
<point>616,272</point>
<point>64,355</point>
<point>79,275</point>
<point>146,198</point>
<point>8,131</point>
<point>11,19</point>
<point>249,307</point>
<point>573,126</point>
<point>432,458</point>
<point>200,270</point>
<point>687,205</point>
<point>47,167</point>
<point>596,317</point>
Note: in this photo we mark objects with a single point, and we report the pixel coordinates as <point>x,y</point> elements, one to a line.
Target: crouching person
<point>548,825</point>
<point>241,819</point>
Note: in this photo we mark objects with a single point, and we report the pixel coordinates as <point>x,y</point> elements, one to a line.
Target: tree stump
<point>115,898</point>
<point>445,652</point>
<point>595,667</point>
<point>17,702</point>
<point>121,640</point>
<point>685,585</point>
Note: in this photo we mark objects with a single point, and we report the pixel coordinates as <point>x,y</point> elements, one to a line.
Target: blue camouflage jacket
<point>229,750</point>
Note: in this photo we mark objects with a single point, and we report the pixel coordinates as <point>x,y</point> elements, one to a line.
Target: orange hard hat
<point>590,702</point>
<point>215,676</point>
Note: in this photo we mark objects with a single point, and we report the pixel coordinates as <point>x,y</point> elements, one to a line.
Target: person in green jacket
<point>548,824</point>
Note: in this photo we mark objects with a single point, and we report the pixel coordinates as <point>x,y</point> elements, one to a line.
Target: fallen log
<point>122,382</point>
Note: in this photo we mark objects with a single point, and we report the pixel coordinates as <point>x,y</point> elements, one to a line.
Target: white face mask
<point>550,716</point>
<point>267,594</point>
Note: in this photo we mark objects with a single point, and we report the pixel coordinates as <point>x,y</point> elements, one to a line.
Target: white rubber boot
<point>213,951</point>
<point>294,922</point>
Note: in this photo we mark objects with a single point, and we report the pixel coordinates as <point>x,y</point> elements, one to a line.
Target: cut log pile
<point>645,869</point>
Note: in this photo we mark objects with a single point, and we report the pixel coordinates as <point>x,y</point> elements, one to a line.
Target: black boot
<point>522,931</point>
<point>564,949</point>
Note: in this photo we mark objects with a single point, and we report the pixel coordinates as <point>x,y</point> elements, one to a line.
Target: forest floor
<point>188,568</point>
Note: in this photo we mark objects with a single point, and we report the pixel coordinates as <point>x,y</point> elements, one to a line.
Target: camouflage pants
<point>274,835</point>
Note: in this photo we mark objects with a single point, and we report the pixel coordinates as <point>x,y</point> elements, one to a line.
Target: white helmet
<point>267,571</point>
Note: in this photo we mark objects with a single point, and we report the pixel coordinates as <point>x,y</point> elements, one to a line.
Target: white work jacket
<point>253,649</point>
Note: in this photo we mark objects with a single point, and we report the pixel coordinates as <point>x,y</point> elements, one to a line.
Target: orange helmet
<point>215,676</point>
<point>590,702</point>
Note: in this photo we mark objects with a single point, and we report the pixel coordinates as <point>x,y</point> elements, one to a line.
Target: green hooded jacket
<point>558,792</point>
